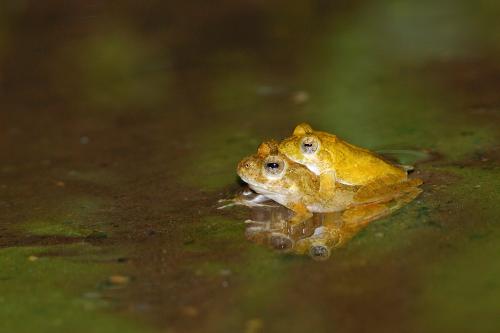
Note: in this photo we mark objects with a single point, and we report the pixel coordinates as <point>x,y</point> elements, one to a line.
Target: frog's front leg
<point>327,188</point>
<point>247,199</point>
<point>300,213</point>
<point>327,183</point>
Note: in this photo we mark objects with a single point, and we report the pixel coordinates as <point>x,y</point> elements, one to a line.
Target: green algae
<point>461,292</point>
<point>220,146</point>
<point>53,228</point>
<point>212,231</point>
<point>374,94</point>
<point>254,274</point>
<point>72,218</point>
<point>259,284</point>
<point>218,228</point>
<point>220,152</point>
<point>118,69</point>
<point>52,292</point>
<point>104,177</point>
<point>458,288</point>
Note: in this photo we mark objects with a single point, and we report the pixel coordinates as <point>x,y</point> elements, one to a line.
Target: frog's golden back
<point>355,165</point>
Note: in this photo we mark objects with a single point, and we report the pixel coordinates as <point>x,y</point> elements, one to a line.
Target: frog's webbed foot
<point>247,199</point>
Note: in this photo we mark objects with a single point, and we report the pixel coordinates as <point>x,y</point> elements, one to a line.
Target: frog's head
<point>269,172</point>
<point>304,147</point>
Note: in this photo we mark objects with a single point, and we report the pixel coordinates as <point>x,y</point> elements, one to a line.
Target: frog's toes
<point>247,192</point>
<point>255,222</point>
<point>229,203</point>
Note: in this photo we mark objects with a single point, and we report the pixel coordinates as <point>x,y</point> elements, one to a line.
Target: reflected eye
<point>274,166</point>
<point>309,145</point>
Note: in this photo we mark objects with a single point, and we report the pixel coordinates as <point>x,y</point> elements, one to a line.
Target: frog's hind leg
<point>360,215</point>
<point>364,214</point>
<point>410,194</point>
<point>385,189</point>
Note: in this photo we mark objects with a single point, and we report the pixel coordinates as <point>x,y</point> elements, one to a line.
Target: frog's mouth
<point>258,187</point>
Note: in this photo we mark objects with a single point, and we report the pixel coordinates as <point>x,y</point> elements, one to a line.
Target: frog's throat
<point>261,190</point>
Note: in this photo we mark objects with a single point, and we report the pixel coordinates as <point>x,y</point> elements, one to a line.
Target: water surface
<point>121,125</point>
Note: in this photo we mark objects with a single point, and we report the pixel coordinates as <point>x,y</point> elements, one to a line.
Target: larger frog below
<point>336,161</point>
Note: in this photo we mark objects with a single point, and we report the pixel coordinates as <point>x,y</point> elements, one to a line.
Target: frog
<point>336,161</point>
<point>293,185</point>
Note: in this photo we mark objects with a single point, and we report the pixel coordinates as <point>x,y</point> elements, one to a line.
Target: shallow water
<point>121,125</point>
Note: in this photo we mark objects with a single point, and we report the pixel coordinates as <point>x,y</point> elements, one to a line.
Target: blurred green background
<point>121,124</point>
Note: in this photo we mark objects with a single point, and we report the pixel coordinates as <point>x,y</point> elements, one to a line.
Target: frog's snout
<point>245,165</point>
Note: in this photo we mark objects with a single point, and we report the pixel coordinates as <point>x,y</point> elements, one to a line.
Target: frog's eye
<point>309,145</point>
<point>274,166</point>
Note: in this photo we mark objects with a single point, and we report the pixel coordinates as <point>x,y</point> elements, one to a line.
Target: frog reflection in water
<point>319,235</point>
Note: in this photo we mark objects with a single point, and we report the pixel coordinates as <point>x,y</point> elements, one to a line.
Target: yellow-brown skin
<point>293,185</point>
<point>336,161</point>
<point>296,187</point>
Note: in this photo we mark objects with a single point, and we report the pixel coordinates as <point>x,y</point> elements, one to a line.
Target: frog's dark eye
<point>309,145</point>
<point>274,166</point>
